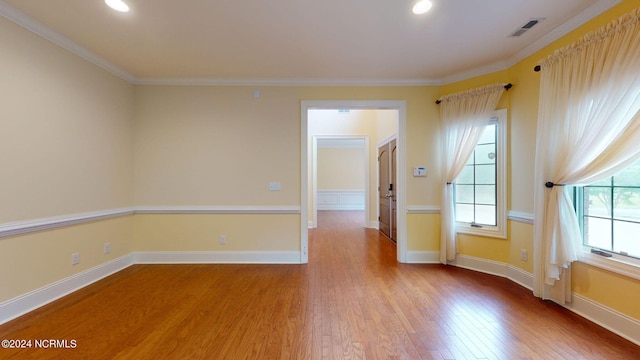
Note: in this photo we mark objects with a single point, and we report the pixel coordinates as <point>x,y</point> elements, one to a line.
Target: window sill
<point>613,264</point>
<point>486,232</point>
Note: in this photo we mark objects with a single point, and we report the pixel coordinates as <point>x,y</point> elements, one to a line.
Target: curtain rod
<point>506,87</point>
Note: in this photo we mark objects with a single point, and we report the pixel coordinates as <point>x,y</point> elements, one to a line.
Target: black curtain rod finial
<point>506,87</point>
<point>537,68</point>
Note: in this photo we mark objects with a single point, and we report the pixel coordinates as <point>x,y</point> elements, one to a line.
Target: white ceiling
<point>301,41</point>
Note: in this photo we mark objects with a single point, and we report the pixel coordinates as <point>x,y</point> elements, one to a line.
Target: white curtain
<point>464,116</point>
<point>588,129</point>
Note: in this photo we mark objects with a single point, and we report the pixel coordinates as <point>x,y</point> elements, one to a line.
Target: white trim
<point>217,210</point>
<point>386,140</point>
<point>522,217</point>
<point>497,268</point>
<point>500,230</point>
<point>32,300</point>
<point>423,257</point>
<point>217,257</point>
<point>520,277</point>
<point>401,107</point>
<point>478,264</point>
<point>286,82</point>
<point>423,209</point>
<point>315,140</point>
<point>22,227</point>
<point>19,18</point>
<point>562,30</point>
<point>341,199</point>
<point>610,319</point>
<point>374,225</point>
<point>613,264</point>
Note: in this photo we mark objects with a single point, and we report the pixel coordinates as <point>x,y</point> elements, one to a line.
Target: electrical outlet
<point>107,248</point>
<point>523,254</point>
<point>223,239</point>
<point>75,258</point>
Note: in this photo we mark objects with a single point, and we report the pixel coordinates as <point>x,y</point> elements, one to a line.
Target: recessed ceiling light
<point>117,5</point>
<point>421,7</point>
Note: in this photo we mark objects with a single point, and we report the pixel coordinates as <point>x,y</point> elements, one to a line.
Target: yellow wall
<point>65,143</point>
<point>84,140</point>
<point>31,261</point>
<point>65,148</point>
<point>341,168</point>
<point>606,288</point>
<point>201,232</point>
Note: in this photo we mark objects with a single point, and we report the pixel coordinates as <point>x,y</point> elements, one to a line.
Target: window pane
<point>486,215</point>
<point>597,200</point>
<point>629,176</point>
<point>597,232</point>
<point>464,213</point>
<point>486,194</point>
<point>489,135</point>
<point>626,204</point>
<point>626,237</point>
<point>486,174</point>
<point>466,176</point>
<point>486,154</point>
<point>464,194</point>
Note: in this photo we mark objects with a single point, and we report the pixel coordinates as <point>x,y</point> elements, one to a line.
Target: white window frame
<point>500,230</point>
<point>617,263</point>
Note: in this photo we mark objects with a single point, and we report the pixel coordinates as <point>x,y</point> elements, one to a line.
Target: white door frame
<point>314,165</point>
<point>399,105</point>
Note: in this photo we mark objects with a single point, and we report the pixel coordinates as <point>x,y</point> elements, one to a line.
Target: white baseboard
<point>520,277</point>
<point>423,257</point>
<point>374,225</point>
<point>30,301</point>
<point>217,257</point>
<point>482,265</point>
<point>25,303</point>
<point>610,319</point>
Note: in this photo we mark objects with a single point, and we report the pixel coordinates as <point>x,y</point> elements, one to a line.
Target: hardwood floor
<point>352,301</point>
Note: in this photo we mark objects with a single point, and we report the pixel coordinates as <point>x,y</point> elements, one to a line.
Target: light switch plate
<point>274,186</point>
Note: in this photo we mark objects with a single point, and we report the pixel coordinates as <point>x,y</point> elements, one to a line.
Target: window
<point>609,213</point>
<point>480,188</point>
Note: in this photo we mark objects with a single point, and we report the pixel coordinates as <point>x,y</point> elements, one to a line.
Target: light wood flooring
<point>352,301</point>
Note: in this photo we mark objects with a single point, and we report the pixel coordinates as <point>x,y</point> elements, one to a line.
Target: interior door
<point>387,190</point>
<point>394,190</point>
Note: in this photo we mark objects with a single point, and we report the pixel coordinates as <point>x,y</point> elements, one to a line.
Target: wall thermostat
<point>419,171</point>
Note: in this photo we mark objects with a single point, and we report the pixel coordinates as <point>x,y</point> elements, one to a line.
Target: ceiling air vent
<point>526,27</point>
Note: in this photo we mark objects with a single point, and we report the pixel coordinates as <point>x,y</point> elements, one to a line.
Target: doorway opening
<point>310,137</point>
<point>339,173</point>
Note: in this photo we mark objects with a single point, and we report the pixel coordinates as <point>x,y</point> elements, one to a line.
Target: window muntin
<point>475,187</point>
<point>488,180</point>
<point>609,213</point>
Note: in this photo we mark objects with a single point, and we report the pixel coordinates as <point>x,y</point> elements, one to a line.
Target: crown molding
<point>18,17</point>
<point>21,19</point>
<point>211,81</point>
<point>562,30</point>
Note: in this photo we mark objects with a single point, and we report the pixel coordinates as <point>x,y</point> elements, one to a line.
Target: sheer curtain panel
<point>588,129</point>
<point>464,116</point>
